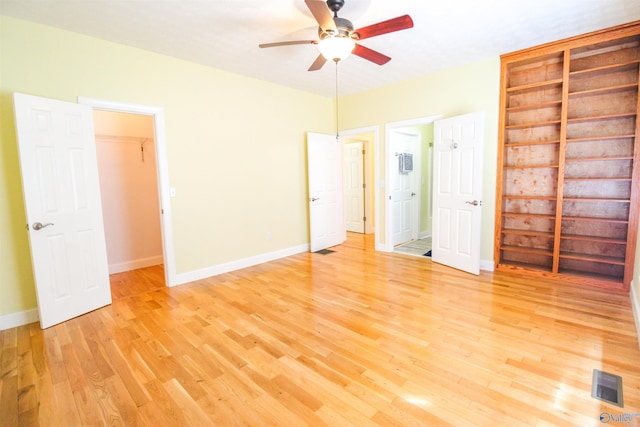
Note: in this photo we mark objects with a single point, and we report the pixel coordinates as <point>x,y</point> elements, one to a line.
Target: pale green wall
<point>465,89</point>
<point>236,146</point>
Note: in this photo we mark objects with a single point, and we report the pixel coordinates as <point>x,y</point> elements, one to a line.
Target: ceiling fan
<point>338,38</point>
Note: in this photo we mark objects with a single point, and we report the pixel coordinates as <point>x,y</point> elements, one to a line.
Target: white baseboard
<point>19,318</point>
<point>635,306</point>
<point>424,234</point>
<point>215,270</point>
<point>486,265</point>
<point>135,264</point>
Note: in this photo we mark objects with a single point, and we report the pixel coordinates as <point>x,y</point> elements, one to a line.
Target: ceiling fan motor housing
<point>344,26</point>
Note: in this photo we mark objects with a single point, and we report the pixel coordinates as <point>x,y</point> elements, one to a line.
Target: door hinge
<point>364,218</point>
<point>363,152</point>
<point>364,185</point>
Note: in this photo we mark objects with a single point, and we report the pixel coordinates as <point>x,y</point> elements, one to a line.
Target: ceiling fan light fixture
<point>336,48</point>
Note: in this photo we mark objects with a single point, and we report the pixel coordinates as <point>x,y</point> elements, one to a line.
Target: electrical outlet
<point>172,192</point>
<point>268,235</point>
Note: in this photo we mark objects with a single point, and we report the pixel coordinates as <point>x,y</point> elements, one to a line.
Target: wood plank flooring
<point>353,338</point>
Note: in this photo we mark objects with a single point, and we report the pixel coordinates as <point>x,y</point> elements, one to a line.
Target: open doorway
<point>126,154</point>
<point>408,196</point>
<point>359,183</point>
<point>139,140</point>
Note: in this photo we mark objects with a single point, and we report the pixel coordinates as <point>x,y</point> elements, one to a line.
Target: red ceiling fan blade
<point>289,43</point>
<point>318,63</point>
<point>321,12</point>
<point>371,55</point>
<point>396,24</point>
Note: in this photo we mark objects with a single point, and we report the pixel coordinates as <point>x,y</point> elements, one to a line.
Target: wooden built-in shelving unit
<point>568,191</point>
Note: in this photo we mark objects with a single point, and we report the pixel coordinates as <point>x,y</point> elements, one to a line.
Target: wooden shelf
<point>591,219</point>
<point>525,143</point>
<point>630,66</point>
<point>595,199</point>
<point>592,258</point>
<point>529,233</point>
<point>588,276</point>
<point>601,117</point>
<point>600,138</point>
<point>538,85</point>
<point>533,124</point>
<point>534,106</point>
<point>532,167</point>
<point>594,239</point>
<point>527,215</point>
<point>597,159</point>
<point>567,151</point>
<point>597,179</point>
<point>526,250</point>
<point>524,265</point>
<point>521,197</point>
<point>604,90</point>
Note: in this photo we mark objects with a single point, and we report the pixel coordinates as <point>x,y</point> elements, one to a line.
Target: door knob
<point>39,226</point>
<point>413,194</point>
<point>313,199</point>
<point>474,203</point>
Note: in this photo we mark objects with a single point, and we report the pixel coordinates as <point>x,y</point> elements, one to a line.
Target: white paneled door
<point>354,187</point>
<point>63,208</point>
<point>326,200</point>
<point>404,186</point>
<point>457,191</point>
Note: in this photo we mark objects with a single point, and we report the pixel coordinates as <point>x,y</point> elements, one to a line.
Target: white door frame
<point>389,157</point>
<point>163,173</point>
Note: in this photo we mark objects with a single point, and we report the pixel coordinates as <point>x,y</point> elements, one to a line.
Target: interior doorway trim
<point>162,168</point>
<point>389,128</point>
<point>375,130</point>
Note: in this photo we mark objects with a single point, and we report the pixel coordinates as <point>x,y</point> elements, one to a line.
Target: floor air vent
<point>324,251</point>
<point>607,387</point>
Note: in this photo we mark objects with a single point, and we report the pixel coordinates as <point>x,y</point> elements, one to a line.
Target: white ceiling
<point>225,33</point>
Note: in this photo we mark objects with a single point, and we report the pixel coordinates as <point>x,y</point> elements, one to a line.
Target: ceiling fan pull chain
<point>337,114</point>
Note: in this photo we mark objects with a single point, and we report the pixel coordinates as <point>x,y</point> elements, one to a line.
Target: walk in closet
<point>567,188</point>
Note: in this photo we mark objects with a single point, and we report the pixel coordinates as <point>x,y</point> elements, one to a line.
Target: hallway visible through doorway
<point>416,247</point>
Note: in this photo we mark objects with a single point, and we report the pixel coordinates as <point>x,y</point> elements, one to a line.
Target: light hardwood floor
<point>351,338</point>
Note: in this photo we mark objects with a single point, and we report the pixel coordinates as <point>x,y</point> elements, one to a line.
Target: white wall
<point>129,190</point>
